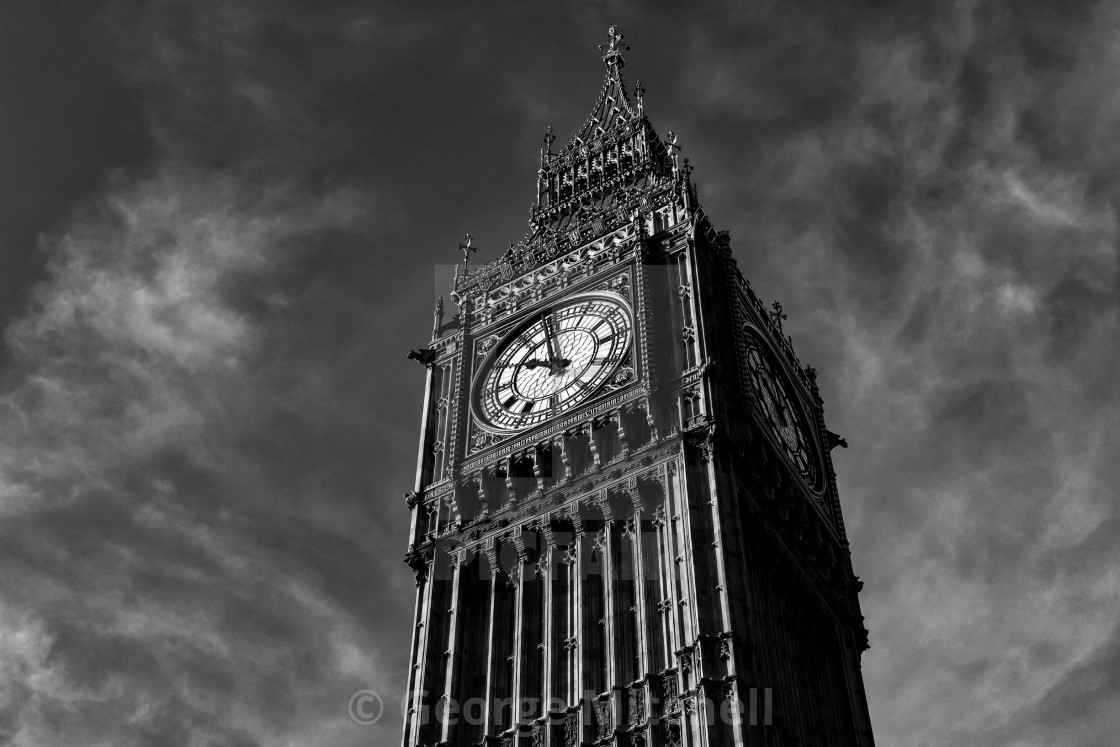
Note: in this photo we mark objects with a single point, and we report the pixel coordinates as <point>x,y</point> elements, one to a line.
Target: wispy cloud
<point>186,538</point>
<point>153,567</point>
<point>942,239</point>
<point>207,409</point>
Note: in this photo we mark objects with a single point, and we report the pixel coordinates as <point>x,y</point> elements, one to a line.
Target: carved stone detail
<point>604,716</point>
<point>673,733</point>
<point>669,693</point>
<point>637,704</point>
<point>571,730</point>
<point>686,667</point>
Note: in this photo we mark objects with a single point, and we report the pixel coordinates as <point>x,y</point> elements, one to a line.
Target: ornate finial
<point>614,41</point>
<point>437,318</point>
<point>776,315</point>
<point>639,93</point>
<point>466,249</point>
<point>673,145</point>
<point>546,148</point>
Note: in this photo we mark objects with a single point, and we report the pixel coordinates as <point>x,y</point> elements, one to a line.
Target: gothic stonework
<point>619,449</point>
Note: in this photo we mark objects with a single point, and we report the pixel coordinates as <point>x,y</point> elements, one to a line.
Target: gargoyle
<point>834,440</point>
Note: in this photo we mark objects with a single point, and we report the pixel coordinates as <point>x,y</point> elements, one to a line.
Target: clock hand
<point>558,363</point>
<point>546,321</point>
<point>556,335</point>
<point>552,365</point>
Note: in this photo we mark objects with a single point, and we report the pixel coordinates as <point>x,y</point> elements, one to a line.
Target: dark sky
<point>223,224</point>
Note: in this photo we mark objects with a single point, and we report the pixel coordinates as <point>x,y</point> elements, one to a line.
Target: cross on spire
<point>776,315</point>
<point>467,249</point>
<point>614,41</point>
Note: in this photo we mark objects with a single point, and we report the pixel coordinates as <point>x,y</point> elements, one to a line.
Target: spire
<point>613,109</point>
<point>614,149</point>
<point>606,174</point>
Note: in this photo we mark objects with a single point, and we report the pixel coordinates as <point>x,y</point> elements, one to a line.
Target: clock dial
<point>557,359</point>
<point>782,413</point>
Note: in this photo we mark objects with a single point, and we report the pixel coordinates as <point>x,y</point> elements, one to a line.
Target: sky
<point>223,225</point>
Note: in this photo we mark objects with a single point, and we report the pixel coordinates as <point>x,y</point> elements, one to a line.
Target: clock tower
<point>625,525</point>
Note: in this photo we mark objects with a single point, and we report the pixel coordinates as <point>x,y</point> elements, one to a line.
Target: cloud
<point>188,544</point>
<point>153,568</point>
<point>948,258</point>
<point>208,400</point>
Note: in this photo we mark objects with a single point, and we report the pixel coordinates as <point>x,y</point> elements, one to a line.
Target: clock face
<point>781,412</point>
<point>557,359</point>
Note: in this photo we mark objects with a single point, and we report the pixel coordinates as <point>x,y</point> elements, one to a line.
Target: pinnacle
<point>613,108</point>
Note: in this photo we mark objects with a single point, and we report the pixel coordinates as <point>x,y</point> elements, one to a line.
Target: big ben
<point>625,523</point>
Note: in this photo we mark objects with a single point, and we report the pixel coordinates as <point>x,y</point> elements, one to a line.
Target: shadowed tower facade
<point>625,525</point>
